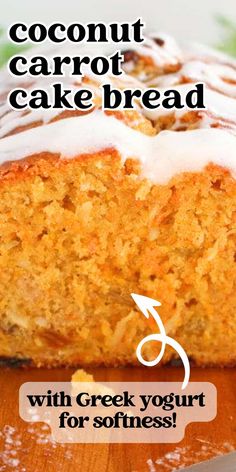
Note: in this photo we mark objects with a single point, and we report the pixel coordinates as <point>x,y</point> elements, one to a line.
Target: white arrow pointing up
<point>146,306</point>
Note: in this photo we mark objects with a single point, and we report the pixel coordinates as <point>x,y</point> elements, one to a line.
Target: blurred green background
<point>227,28</point>
<point>228,44</point>
<point>7,49</point>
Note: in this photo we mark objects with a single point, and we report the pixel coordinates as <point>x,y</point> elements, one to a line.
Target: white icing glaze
<point>160,55</point>
<point>213,75</point>
<point>11,119</point>
<point>168,54</point>
<point>162,156</point>
<point>216,104</point>
<point>208,54</point>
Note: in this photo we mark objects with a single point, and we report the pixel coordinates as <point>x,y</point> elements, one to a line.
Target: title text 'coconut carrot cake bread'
<point>96,206</point>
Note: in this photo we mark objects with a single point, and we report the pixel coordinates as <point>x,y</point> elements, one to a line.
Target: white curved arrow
<point>146,306</point>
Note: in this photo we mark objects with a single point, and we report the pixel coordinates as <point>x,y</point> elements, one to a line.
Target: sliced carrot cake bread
<point>97,205</point>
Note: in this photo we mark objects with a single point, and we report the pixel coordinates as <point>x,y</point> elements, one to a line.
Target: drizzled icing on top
<point>194,138</point>
<point>161,156</point>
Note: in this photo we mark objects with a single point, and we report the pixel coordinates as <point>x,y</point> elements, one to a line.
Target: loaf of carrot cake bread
<point>97,205</point>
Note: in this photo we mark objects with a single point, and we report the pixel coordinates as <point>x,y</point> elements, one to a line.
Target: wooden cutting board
<point>27,447</point>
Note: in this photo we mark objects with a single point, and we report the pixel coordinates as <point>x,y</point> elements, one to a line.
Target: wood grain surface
<point>28,447</point>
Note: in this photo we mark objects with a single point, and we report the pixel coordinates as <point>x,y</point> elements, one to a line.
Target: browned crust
<point>39,164</point>
<point>17,362</point>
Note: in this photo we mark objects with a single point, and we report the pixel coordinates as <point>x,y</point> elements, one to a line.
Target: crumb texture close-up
<point>85,221</point>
